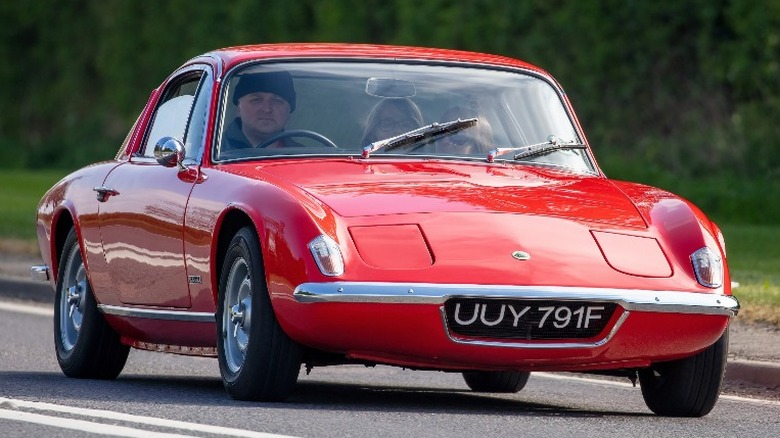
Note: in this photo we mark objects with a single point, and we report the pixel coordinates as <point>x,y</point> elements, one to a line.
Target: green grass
<point>19,196</point>
<point>753,253</point>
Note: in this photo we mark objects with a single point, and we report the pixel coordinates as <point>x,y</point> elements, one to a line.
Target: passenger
<point>391,117</point>
<point>264,102</point>
<point>475,140</point>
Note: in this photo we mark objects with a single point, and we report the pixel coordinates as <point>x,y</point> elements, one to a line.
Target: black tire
<point>496,381</point>
<point>686,387</point>
<point>257,360</point>
<point>86,346</point>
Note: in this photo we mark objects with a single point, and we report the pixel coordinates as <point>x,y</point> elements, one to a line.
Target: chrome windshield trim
<point>165,315</point>
<point>665,301</point>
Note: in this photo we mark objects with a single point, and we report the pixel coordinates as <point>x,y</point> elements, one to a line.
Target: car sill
<point>166,315</point>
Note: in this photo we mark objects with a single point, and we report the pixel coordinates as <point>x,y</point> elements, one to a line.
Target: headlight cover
<point>708,266</point>
<point>327,255</point>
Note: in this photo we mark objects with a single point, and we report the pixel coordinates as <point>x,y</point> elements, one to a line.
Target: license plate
<point>527,319</point>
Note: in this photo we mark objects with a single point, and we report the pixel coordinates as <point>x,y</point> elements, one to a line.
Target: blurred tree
<point>687,88</point>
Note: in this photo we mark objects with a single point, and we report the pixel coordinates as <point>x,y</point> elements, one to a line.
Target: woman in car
<point>475,140</point>
<point>391,117</point>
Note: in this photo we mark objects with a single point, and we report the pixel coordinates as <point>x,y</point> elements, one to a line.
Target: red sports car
<point>319,204</point>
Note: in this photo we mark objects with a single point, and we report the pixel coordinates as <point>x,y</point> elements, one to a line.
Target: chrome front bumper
<point>428,293</point>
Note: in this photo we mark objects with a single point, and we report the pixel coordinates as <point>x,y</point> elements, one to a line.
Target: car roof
<point>232,56</point>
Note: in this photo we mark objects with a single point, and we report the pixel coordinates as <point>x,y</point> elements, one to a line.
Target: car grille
<point>527,319</point>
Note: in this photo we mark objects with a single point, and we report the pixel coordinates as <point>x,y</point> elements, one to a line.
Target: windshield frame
<point>221,121</point>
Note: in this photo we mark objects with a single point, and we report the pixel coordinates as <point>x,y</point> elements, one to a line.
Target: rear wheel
<point>86,345</point>
<point>496,381</point>
<point>257,360</point>
<point>686,387</point>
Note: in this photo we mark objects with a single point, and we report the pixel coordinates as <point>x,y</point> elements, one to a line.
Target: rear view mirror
<point>389,87</point>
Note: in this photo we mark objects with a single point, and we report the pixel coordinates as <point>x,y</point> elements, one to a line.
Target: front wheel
<point>686,387</point>
<point>496,381</point>
<point>86,345</point>
<point>257,360</point>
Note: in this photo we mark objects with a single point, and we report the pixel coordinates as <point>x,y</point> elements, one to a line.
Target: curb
<point>29,290</point>
<point>764,374</point>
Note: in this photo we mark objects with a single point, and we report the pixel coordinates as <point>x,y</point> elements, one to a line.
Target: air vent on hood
<point>633,255</point>
<point>392,246</point>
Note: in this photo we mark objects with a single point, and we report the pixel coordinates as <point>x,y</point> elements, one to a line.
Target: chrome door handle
<point>104,192</point>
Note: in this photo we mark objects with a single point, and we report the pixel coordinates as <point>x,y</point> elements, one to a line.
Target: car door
<point>142,217</point>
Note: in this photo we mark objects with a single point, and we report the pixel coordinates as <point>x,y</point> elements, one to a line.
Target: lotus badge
<point>521,255</point>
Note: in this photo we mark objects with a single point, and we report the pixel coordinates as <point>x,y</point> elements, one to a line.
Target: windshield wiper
<point>419,134</point>
<point>553,143</point>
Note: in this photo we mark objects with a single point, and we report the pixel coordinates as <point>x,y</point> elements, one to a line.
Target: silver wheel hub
<point>237,317</point>
<point>72,304</point>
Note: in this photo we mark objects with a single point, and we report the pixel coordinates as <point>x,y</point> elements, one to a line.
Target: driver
<point>264,102</point>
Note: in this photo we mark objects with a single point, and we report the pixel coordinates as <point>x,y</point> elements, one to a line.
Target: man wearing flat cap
<point>264,102</point>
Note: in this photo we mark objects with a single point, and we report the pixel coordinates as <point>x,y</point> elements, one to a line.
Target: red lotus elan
<point>321,204</point>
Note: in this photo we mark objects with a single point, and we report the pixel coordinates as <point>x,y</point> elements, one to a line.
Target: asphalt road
<point>166,394</point>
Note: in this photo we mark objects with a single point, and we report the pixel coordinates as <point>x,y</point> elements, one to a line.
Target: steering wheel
<point>298,133</point>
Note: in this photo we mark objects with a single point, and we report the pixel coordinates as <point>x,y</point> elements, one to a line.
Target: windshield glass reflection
<point>341,108</point>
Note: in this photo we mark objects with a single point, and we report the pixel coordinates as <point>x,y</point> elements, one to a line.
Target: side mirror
<point>169,152</point>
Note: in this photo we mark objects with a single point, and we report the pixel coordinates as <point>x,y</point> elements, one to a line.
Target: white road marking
<point>630,386</point>
<point>26,308</point>
<point>81,425</point>
<point>11,411</point>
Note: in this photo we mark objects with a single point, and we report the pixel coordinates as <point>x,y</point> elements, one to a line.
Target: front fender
<point>682,228</point>
<point>285,218</point>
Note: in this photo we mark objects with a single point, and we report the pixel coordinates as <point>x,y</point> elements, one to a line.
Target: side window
<point>173,112</point>
<point>196,130</point>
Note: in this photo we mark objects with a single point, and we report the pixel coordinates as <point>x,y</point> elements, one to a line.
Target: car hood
<point>362,188</point>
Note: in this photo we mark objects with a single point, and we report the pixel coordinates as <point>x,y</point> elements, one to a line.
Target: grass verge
<point>753,253</point>
<point>22,189</point>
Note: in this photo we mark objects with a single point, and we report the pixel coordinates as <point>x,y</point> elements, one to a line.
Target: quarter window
<point>173,112</point>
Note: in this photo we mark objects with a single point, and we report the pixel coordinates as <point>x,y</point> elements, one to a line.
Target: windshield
<point>381,109</point>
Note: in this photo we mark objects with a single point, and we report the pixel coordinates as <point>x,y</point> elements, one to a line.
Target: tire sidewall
<point>63,355</point>
<point>496,381</point>
<point>72,361</point>
<point>244,245</point>
<point>688,387</point>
